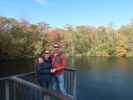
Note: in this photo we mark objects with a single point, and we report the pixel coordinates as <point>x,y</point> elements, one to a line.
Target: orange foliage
<point>55,35</point>
<point>121,51</point>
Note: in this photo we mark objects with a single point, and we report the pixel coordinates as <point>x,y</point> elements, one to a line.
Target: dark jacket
<point>43,70</point>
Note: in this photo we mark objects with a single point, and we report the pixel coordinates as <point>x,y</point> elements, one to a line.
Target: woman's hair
<point>41,55</point>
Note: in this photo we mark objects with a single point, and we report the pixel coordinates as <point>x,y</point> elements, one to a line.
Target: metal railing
<point>25,87</point>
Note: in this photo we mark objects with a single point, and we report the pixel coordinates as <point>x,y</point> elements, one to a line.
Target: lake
<point>98,78</point>
<point>101,78</point>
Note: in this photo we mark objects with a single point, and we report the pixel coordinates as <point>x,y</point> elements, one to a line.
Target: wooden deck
<point>25,87</point>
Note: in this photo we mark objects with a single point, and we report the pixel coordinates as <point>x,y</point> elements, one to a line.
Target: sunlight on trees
<point>21,39</point>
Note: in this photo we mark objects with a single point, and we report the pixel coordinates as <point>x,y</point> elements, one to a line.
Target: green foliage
<point>92,41</point>
<point>20,39</point>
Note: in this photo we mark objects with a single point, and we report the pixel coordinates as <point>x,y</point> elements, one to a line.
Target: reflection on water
<point>105,78</point>
<point>12,67</point>
<point>99,78</point>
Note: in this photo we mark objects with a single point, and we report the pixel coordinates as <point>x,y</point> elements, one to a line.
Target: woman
<point>44,68</point>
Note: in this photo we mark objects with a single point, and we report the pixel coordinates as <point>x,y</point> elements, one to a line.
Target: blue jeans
<point>58,84</point>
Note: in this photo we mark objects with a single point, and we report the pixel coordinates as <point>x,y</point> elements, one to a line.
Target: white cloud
<point>42,2</point>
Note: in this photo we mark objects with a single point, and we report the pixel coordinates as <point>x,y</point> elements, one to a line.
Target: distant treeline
<point>21,39</point>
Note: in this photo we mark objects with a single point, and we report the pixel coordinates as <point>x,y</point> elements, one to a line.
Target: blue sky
<point>75,12</point>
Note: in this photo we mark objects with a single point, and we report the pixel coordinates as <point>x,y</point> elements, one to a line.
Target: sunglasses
<point>46,53</point>
<point>56,47</point>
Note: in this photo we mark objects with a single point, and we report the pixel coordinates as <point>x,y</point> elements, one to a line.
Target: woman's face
<point>46,55</point>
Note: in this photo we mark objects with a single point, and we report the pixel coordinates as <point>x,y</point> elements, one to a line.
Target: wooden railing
<point>25,87</point>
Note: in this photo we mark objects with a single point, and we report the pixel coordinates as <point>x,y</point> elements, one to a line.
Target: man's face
<point>57,49</point>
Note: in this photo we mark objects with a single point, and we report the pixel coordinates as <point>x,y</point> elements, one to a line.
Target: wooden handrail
<point>31,73</point>
<point>71,69</point>
<point>43,90</point>
<point>24,79</point>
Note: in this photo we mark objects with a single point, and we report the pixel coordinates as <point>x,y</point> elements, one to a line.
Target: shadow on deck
<point>25,87</point>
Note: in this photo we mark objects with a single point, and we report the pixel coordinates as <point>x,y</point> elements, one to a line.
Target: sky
<point>58,13</point>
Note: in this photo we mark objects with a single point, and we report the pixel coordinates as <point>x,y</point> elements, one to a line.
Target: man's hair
<point>56,45</point>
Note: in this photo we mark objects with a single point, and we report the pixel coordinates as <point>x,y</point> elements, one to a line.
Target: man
<point>44,68</point>
<point>58,64</point>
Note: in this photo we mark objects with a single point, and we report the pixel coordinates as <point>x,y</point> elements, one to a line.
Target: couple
<point>50,69</point>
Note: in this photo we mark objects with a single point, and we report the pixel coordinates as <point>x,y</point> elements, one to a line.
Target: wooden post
<point>75,83</point>
<point>14,91</point>
<point>7,95</point>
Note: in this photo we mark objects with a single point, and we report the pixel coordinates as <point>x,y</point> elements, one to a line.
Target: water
<point>99,78</point>
<point>8,68</point>
<point>105,78</point>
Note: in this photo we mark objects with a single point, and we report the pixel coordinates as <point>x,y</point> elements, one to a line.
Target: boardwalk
<point>25,87</point>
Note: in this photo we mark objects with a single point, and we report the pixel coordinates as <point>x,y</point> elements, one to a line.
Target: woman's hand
<point>40,60</point>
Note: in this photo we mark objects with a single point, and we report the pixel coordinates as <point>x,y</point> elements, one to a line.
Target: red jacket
<point>58,62</point>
